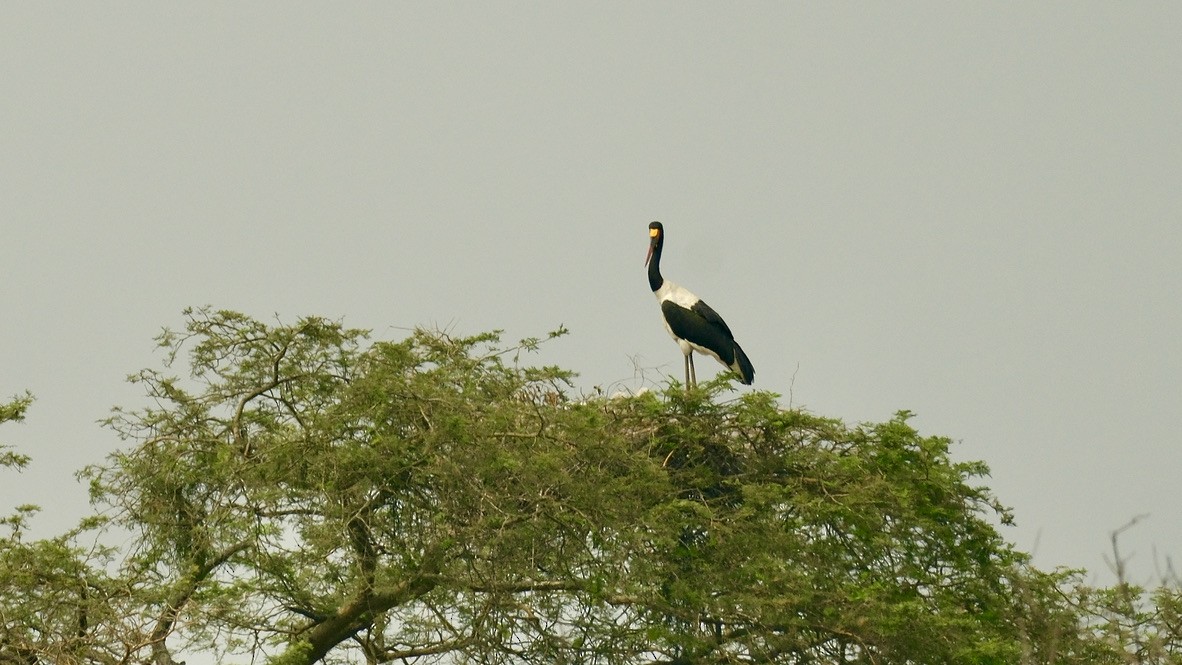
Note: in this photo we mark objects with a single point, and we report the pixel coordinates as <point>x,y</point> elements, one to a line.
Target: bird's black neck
<point>654,266</point>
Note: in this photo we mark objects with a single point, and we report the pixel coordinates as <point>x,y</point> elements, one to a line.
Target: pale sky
<point>968,211</point>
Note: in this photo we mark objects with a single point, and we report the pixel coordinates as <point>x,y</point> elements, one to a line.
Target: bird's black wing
<point>693,326</point>
<point>703,310</point>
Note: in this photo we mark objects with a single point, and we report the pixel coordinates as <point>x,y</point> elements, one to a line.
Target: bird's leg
<point>693,372</point>
<point>686,362</point>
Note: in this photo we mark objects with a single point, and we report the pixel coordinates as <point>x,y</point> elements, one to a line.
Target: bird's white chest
<point>682,297</point>
<point>676,294</point>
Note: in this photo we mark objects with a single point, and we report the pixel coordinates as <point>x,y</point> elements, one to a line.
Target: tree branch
<point>359,613</point>
<point>174,605</point>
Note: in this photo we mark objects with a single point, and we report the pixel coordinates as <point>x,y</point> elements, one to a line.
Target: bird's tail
<point>743,367</point>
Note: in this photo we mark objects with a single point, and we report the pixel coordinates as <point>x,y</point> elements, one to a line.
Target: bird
<point>693,324</point>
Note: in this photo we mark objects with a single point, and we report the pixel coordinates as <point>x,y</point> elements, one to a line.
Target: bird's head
<point>656,234</point>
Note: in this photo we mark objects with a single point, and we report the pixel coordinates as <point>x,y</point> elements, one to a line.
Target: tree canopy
<point>299,493</point>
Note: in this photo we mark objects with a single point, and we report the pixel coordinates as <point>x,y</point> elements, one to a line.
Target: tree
<point>14,411</point>
<point>303,494</point>
<point>56,602</point>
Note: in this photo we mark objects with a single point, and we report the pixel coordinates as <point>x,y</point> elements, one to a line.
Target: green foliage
<point>792,537</point>
<point>14,411</point>
<point>56,602</point>
<point>300,493</point>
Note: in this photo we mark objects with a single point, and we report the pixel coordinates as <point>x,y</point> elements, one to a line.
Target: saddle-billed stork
<point>691,322</point>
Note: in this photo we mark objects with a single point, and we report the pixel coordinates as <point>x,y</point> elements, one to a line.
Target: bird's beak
<point>649,255</point>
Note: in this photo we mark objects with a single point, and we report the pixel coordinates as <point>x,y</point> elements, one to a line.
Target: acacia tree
<point>301,494</point>
<point>304,492</point>
<point>57,602</point>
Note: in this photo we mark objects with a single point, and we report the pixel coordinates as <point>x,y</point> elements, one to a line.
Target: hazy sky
<point>971,211</point>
